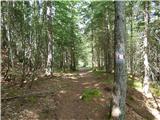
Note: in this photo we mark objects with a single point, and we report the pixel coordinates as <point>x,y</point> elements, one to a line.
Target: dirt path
<point>66,103</point>
<point>71,106</point>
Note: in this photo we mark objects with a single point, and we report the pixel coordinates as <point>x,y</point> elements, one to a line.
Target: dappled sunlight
<point>86,83</point>
<point>96,85</point>
<point>91,84</point>
<point>87,86</point>
<point>28,115</point>
<point>116,111</point>
<point>68,74</point>
<point>57,74</point>
<point>75,81</point>
<point>70,77</point>
<point>142,104</point>
<point>42,75</point>
<point>155,112</point>
<point>80,60</point>
<point>132,77</point>
<point>73,77</point>
<point>63,92</point>
<point>102,100</point>
<point>77,95</point>
<point>84,73</point>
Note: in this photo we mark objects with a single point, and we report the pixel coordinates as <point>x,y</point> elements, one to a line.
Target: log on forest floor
<point>139,106</point>
<point>35,94</point>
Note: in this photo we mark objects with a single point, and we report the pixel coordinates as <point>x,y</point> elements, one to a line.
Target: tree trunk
<point>145,42</point>
<point>23,53</point>
<point>8,36</point>
<point>131,46</point>
<point>109,56</point>
<point>92,46</point>
<point>50,49</point>
<point>73,59</point>
<point>120,76</point>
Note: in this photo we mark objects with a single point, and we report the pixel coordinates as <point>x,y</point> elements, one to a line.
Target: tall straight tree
<point>50,47</point>
<point>145,42</point>
<point>120,76</point>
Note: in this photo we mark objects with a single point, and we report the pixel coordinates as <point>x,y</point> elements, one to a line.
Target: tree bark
<point>131,46</point>
<point>50,49</point>
<point>145,42</point>
<point>120,76</point>
<point>109,47</point>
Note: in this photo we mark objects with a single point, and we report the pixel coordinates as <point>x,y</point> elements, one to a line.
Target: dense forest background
<point>120,39</point>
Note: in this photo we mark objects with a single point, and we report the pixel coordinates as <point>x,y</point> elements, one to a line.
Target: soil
<point>66,102</point>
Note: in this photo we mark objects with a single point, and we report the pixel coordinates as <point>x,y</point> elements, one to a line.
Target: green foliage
<point>134,83</point>
<point>155,89</point>
<point>98,72</point>
<point>12,92</point>
<point>108,81</point>
<point>137,84</point>
<point>89,94</point>
<point>32,99</point>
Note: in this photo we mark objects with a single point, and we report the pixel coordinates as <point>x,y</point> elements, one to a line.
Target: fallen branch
<point>158,108</point>
<point>140,109</point>
<point>35,94</point>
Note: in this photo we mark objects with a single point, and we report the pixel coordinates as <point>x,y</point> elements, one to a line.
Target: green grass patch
<point>134,83</point>
<point>32,99</point>
<point>90,93</point>
<point>137,84</point>
<point>108,81</point>
<point>155,89</point>
<point>98,72</point>
<point>12,92</point>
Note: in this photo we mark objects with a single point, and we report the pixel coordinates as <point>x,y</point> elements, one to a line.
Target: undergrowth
<point>32,99</point>
<point>155,89</point>
<point>108,81</point>
<point>90,93</point>
<point>98,72</point>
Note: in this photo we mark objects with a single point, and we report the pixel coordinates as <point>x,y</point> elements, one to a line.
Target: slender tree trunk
<point>8,31</point>
<point>98,58</point>
<point>49,57</point>
<point>120,75</point>
<point>105,40</point>
<point>92,46</point>
<point>61,60</point>
<point>92,54</point>
<point>145,42</point>
<point>92,37</point>
<point>50,49</point>
<point>10,51</point>
<point>108,50</point>
<point>131,46</point>
<point>24,61</point>
<point>109,56</point>
<point>73,59</point>
<point>24,51</point>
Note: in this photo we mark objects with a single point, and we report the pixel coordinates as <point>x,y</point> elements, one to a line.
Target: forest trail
<point>71,106</point>
<point>67,103</point>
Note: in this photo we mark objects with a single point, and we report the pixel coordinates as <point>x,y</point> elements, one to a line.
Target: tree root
<point>35,94</point>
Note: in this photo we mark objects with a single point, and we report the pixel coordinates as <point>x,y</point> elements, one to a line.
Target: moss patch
<point>108,81</point>
<point>89,94</point>
<point>155,89</point>
<point>98,72</point>
<point>134,83</point>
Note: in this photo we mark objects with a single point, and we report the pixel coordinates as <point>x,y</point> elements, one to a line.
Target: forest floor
<point>64,99</point>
